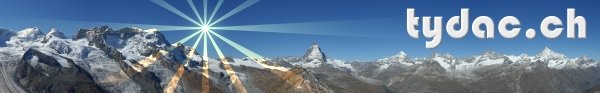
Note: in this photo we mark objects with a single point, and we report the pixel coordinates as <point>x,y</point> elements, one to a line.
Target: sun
<point>205,28</point>
<point>204,31</point>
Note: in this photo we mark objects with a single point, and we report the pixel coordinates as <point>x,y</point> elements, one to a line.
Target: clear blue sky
<point>381,23</point>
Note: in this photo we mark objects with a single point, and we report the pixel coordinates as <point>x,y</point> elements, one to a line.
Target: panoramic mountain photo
<point>300,46</point>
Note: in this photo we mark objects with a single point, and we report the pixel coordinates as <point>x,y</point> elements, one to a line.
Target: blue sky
<point>363,29</point>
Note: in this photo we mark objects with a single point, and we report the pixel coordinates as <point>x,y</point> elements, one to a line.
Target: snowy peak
<point>55,34</point>
<point>314,54</point>
<point>130,42</point>
<point>488,55</point>
<point>444,60</point>
<point>400,56</point>
<point>91,34</point>
<point>30,33</point>
<point>547,53</point>
<point>122,37</point>
<point>25,38</point>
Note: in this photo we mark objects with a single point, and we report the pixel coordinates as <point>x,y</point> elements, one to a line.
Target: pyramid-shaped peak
<point>315,44</point>
<point>549,53</point>
<point>547,50</point>
<point>314,53</point>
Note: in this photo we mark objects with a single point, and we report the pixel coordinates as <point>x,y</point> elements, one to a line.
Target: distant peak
<point>489,54</point>
<point>33,28</point>
<point>314,53</point>
<point>315,45</point>
<point>400,56</point>
<point>55,34</point>
<point>547,50</point>
<point>549,53</point>
<point>29,33</point>
<point>53,30</point>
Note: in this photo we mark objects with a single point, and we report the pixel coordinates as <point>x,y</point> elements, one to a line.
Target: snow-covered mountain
<point>134,60</point>
<point>53,33</point>
<point>548,71</point>
<point>314,54</point>
<point>127,60</point>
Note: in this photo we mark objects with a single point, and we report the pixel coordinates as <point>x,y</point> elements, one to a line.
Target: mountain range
<point>133,60</point>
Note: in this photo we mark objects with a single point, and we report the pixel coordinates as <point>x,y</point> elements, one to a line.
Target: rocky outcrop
<point>40,72</point>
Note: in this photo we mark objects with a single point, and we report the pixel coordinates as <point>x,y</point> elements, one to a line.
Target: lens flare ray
<point>206,79</point>
<point>188,38</point>
<point>180,70</point>
<point>144,63</point>
<point>350,28</point>
<point>233,77</point>
<point>205,33</point>
<point>193,6</point>
<point>205,2</point>
<point>217,7</point>
<point>169,7</point>
<point>237,9</point>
